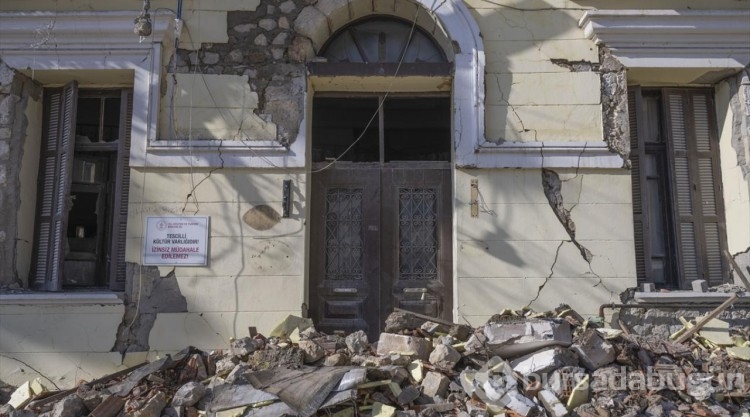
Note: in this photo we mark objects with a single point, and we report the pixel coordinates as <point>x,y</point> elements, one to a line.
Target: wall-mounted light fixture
<point>286,199</point>
<point>142,23</point>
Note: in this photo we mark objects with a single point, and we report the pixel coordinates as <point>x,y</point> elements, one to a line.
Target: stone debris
<point>520,363</point>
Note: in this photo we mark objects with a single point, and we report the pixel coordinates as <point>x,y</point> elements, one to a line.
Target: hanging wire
<point>381,102</point>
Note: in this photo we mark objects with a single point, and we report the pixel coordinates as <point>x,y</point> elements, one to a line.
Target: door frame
<point>375,241</point>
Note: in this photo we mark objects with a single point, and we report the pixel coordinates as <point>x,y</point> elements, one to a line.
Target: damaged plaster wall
<point>147,294</point>
<point>733,104</point>
<point>615,106</point>
<point>16,90</point>
<point>740,106</point>
<point>569,236</point>
<point>263,48</point>
<point>614,99</point>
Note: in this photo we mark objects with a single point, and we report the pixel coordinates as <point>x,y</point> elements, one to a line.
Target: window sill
<point>688,297</point>
<point>61,298</point>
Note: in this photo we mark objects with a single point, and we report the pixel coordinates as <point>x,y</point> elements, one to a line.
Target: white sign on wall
<point>171,240</point>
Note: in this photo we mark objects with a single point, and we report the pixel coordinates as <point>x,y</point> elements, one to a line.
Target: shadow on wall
<point>263,48</point>
<point>250,246</point>
<point>528,47</point>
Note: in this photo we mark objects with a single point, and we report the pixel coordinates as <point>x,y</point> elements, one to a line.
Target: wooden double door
<point>381,238</point>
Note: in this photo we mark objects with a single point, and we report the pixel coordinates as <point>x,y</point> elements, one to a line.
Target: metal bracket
<point>474,201</point>
<point>286,199</point>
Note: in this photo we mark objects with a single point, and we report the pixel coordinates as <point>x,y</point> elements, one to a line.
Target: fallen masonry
<point>520,363</point>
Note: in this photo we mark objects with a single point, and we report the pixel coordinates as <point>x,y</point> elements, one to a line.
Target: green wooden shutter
<point>117,277</point>
<point>696,182</point>
<point>637,154</point>
<point>53,189</point>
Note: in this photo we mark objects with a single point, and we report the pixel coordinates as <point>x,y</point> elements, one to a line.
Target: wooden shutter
<point>53,189</point>
<point>640,212</point>
<point>116,258</point>
<point>696,183</point>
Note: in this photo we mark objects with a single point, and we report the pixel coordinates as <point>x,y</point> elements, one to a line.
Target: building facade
<point>233,162</point>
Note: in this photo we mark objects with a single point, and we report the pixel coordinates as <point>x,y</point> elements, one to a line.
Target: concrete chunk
<point>543,362</point>
<point>523,406</point>
<point>26,392</point>
<point>444,357</point>
<point>382,410</point>
<point>552,404</point>
<point>408,394</point>
<point>357,343</point>
<point>717,331</point>
<point>313,351</point>
<point>700,285</point>
<point>71,406</point>
<point>21,396</point>
<point>416,370</point>
<point>434,384</point>
<point>404,345</point>
<point>189,394</point>
<point>508,340</point>
<point>593,350</point>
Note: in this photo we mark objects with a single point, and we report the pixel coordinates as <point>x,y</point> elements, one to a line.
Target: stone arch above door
<point>452,26</point>
<point>321,21</point>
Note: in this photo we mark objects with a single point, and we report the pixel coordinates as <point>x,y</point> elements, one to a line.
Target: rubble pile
<point>519,363</point>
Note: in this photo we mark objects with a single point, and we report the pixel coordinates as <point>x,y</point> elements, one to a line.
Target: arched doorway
<point>381,178</point>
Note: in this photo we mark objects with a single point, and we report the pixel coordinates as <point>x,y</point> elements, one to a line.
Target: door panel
<point>381,238</point>
<point>344,254</point>
<point>416,241</point>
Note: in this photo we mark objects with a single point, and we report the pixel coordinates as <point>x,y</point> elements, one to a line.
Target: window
<point>82,189</point>
<point>677,202</point>
<point>406,129</point>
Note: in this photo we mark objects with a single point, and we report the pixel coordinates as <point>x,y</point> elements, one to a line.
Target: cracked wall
<point>16,91</point>
<point>552,190</point>
<point>147,294</point>
<point>529,96</point>
<point>255,255</point>
<point>520,250</point>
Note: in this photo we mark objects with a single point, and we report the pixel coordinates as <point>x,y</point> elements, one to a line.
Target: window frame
<point>678,243</point>
<point>55,186</point>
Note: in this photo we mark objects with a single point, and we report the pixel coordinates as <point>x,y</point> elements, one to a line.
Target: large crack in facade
<point>552,190</point>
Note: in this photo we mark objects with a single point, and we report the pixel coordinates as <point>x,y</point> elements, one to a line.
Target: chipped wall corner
<point>739,103</point>
<point>147,294</point>
<point>16,90</point>
<point>742,260</point>
<point>614,96</point>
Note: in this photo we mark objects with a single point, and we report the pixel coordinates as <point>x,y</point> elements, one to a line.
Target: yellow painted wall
<point>513,246</point>
<point>26,215</point>
<point>255,278</point>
